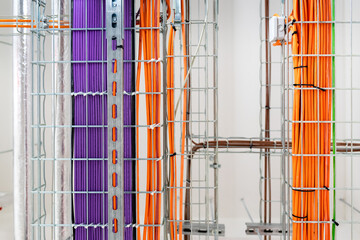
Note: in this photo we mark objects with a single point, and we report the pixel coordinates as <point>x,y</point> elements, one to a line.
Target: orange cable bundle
<point>312,103</point>
<point>174,232</point>
<point>149,46</point>
<point>171,118</point>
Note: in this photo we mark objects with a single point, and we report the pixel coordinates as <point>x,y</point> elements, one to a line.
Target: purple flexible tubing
<point>90,143</point>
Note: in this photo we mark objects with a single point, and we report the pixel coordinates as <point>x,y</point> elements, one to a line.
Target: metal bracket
<point>271,229</point>
<point>115,88</point>
<point>215,166</point>
<point>177,16</point>
<point>202,229</point>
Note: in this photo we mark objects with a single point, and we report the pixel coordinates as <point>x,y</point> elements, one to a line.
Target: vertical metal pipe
<point>22,118</point>
<point>188,132</point>
<point>215,75</point>
<point>267,182</point>
<point>62,205</point>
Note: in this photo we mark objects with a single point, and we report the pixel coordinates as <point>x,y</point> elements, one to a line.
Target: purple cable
<point>128,119</point>
<point>91,142</point>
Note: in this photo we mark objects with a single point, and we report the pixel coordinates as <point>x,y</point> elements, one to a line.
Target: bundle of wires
<point>90,117</point>
<point>311,134</point>
<point>173,216</point>
<point>149,50</point>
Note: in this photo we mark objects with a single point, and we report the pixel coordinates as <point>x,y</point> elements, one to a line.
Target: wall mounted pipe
<point>22,118</point>
<point>63,116</point>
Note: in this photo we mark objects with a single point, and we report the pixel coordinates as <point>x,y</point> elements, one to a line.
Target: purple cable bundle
<point>90,143</point>
<point>91,109</point>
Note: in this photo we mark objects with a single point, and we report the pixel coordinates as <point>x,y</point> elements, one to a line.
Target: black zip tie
<point>335,222</point>
<point>310,85</point>
<point>251,145</point>
<point>172,155</point>
<point>295,32</point>
<point>326,188</point>
<point>320,88</point>
<point>299,217</point>
<point>304,190</point>
<point>173,26</point>
<point>267,108</point>
<point>300,67</point>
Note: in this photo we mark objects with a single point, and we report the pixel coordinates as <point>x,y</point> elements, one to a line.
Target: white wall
<point>6,139</point>
<point>239,104</point>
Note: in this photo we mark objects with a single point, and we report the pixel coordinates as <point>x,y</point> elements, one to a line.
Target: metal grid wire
<point>52,125</point>
<point>344,191</point>
<point>200,172</point>
<point>270,122</point>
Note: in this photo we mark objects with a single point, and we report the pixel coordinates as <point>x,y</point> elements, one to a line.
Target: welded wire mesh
<point>343,188</point>
<point>52,96</point>
<point>194,153</point>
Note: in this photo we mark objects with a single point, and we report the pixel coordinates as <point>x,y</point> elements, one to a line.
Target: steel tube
<point>22,129</point>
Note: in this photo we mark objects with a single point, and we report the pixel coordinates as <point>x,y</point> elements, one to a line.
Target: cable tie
<point>172,155</point>
<point>173,26</point>
<point>310,85</point>
<point>295,32</point>
<point>155,60</point>
<point>204,145</point>
<point>304,190</point>
<point>299,217</point>
<point>335,222</point>
<point>130,93</point>
<point>300,67</point>
<point>154,126</point>
<point>188,181</point>
<point>129,225</point>
<point>88,93</point>
<point>326,188</point>
<point>267,108</point>
<point>251,144</point>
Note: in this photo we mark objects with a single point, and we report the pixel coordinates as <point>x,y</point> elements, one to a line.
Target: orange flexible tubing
<point>309,172</point>
<point>185,110</point>
<point>174,233</point>
<point>157,118</point>
<point>29,26</point>
<point>149,17</point>
<point>27,21</point>
<point>170,98</point>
